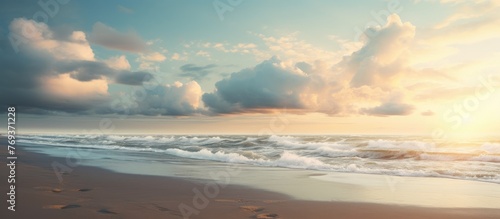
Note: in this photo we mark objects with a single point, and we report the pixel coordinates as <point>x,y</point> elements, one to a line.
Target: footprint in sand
<point>251,208</point>
<point>61,206</point>
<point>267,216</point>
<point>83,190</point>
<point>106,211</point>
<point>230,200</point>
<point>47,189</point>
<point>173,212</point>
<point>56,190</point>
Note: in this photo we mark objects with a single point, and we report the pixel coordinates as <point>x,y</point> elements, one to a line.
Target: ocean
<point>412,156</point>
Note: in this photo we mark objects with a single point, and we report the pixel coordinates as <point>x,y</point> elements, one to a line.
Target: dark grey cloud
<point>218,105</point>
<point>21,85</point>
<point>132,78</point>
<point>266,86</point>
<point>22,70</point>
<point>110,38</point>
<point>92,70</point>
<point>193,67</point>
<point>84,70</point>
<point>173,100</point>
<point>196,72</point>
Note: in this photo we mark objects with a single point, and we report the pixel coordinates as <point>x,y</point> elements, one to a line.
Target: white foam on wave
<point>493,148</point>
<point>335,152</point>
<point>116,137</point>
<point>464,157</point>
<point>212,140</point>
<point>79,145</point>
<point>278,138</point>
<point>292,160</point>
<point>165,139</point>
<point>287,159</point>
<point>45,138</point>
<point>148,138</point>
<point>325,147</point>
<point>249,140</point>
<point>198,140</point>
<point>400,145</point>
<point>205,154</point>
<point>486,158</point>
<point>438,157</point>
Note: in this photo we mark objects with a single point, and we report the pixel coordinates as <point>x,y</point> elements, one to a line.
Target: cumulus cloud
<point>36,36</point>
<point>63,87</point>
<point>266,86</point>
<point>363,82</point>
<point>118,62</point>
<point>60,73</point>
<point>367,77</point>
<point>176,99</point>
<point>110,38</point>
<point>382,59</point>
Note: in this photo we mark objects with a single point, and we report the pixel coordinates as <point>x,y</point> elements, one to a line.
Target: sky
<point>426,67</point>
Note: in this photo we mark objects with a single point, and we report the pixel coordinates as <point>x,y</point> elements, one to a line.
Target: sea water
<point>412,170</point>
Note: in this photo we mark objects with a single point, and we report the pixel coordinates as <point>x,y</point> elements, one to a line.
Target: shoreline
<point>298,183</point>
<point>96,192</point>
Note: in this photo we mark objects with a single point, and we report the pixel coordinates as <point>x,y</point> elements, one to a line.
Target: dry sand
<point>89,192</point>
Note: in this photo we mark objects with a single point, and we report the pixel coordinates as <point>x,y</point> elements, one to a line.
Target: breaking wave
<point>390,155</point>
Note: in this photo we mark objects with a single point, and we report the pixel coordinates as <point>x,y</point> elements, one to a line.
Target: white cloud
<point>471,22</point>
<point>153,57</point>
<point>179,57</point>
<point>384,56</point>
<point>39,37</point>
<point>203,53</point>
<point>118,62</point>
<point>63,86</point>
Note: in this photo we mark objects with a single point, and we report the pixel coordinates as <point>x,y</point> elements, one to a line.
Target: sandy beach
<point>89,192</point>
